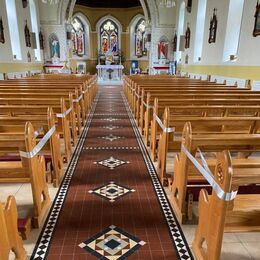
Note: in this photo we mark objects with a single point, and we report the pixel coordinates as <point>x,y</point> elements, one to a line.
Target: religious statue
<point>109,57</point>
<point>162,50</point>
<point>55,48</point>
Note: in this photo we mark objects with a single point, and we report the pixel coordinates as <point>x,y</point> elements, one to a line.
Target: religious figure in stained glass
<point>109,37</point>
<point>140,49</point>
<point>78,37</point>
<point>104,45</point>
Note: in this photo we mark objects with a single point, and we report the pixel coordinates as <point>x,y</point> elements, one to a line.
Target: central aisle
<point>111,204</point>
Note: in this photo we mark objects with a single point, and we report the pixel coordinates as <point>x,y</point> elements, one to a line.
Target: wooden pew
<point>74,101</point>
<point>30,169</point>
<point>246,169</point>
<point>42,124</point>
<point>217,215</point>
<point>88,93</point>
<point>9,237</point>
<point>161,114</point>
<point>63,117</point>
<point>169,141</point>
<point>146,109</point>
<point>140,96</point>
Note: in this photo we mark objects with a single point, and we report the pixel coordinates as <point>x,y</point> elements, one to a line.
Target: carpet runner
<point>111,204</point>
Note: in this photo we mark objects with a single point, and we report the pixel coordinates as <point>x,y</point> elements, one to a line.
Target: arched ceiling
<point>109,3</point>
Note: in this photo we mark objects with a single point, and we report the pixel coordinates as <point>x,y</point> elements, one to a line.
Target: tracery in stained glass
<point>109,37</point>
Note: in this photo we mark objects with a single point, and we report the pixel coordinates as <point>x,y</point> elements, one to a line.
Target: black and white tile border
<point>177,235</point>
<point>41,249</point>
<point>111,148</point>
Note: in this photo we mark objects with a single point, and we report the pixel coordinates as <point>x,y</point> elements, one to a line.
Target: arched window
<point>35,29</point>
<point>13,29</point>
<point>109,37</point>
<point>140,49</point>
<point>78,37</point>
<point>233,29</point>
<point>200,25</point>
<point>180,29</point>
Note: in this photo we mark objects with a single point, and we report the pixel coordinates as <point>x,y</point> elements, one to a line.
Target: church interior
<point>129,129</point>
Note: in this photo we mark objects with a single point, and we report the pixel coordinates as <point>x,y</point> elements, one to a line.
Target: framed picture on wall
<point>134,66</point>
<point>81,67</point>
<point>213,27</point>
<point>2,37</point>
<point>187,37</point>
<point>256,31</point>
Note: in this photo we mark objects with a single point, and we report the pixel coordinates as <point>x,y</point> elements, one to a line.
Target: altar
<point>108,74</point>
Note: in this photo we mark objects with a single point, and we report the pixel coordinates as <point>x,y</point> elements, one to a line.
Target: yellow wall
<point>124,16</point>
<point>243,72</point>
<point>19,67</point>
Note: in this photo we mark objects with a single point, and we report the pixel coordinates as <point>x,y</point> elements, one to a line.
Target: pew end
<point>9,237</point>
<point>212,212</point>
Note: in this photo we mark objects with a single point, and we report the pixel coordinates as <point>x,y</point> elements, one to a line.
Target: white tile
<point>254,249</point>
<point>189,232</point>
<point>234,251</point>
<point>249,237</point>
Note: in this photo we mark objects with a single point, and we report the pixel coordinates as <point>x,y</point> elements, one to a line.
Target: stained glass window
<point>78,37</point>
<point>109,37</point>
<point>140,49</point>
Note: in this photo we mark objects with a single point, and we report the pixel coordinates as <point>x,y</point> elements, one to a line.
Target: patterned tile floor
<point>111,204</point>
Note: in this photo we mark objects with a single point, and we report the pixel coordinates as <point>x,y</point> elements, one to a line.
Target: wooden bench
<point>246,169</point>
<point>9,237</point>
<point>161,114</point>
<point>43,125</point>
<point>64,119</point>
<point>146,108</point>
<point>217,215</point>
<point>30,169</point>
<point>88,93</point>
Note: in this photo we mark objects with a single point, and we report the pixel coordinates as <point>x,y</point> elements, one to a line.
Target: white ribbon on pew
<point>147,106</point>
<point>38,131</point>
<point>205,171</point>
<point>39,146</point>
<point>63,115</point>
<point>77,99</point>
<point>160,123</point>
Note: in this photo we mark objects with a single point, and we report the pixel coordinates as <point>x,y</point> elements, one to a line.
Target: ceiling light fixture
<point>51,2</point>
<point>167,3</point>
